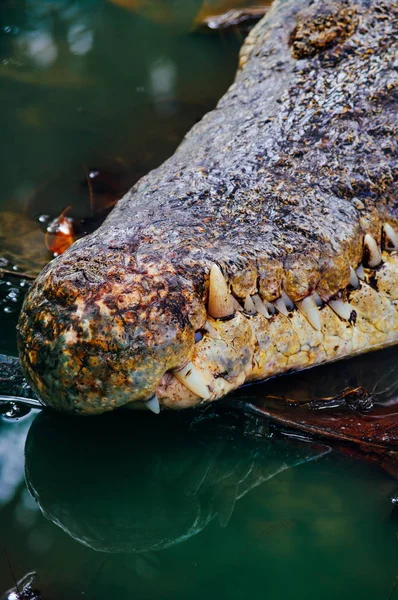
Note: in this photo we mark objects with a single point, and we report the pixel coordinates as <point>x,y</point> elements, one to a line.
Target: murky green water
<point>138,507</point>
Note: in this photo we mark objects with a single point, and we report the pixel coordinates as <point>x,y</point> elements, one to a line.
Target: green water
<point>166,507</point>
<point>154,510</point>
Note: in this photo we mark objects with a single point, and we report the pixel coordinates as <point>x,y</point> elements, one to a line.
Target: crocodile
<point>267,243</point>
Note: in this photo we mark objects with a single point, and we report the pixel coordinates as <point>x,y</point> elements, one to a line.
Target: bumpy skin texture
<point>278,186</point>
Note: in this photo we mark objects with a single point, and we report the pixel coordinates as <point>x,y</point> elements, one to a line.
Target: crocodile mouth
<point>81,353</point>
<point>267,243</point>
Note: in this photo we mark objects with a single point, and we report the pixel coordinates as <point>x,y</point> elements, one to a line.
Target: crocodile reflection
<point>117,485</point>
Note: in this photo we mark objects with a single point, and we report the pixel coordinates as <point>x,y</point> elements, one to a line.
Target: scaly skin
<point>278,186</point>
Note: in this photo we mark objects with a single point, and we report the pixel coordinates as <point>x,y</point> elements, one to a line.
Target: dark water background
<point>155,507</point>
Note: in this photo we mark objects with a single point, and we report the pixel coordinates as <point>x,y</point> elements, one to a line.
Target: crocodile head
<point>267,243</point>
<point>97,333</point>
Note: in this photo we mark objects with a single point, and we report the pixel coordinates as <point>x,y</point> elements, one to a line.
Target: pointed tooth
<point>372,252</point>
<point>153,405</point>
<point>354,280</point>
<point>281,307</point>
<point>288,301</point>
<point>220,298</point>
<point>194,379</point>
<point>213,333</point>
<point>236,304</point>
<point>390,238</point>
<point>249,305</point>
<point>260,307</point>
<point>284,304</point>
<point>360,272</point>
<point>342,309</point>
<point>318,299</point>
<point>270,307</point>
<point>310,311</point>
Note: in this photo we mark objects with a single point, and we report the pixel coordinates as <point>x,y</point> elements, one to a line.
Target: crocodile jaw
<point>252,346</point>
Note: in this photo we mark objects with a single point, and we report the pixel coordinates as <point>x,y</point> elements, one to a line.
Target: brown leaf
<point>373,434</point>
<point>59,235</point>
<point>375,430</point>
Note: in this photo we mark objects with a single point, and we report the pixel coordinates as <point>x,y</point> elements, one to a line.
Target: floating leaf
<point>59,234</point>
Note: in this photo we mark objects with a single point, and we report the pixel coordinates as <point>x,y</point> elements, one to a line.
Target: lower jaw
<point>252,347</point>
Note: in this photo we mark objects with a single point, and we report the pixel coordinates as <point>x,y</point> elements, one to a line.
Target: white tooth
<point>360,272</point>
<point>236,304</point>
<point>310,311</point>
<point>194,379</point>
<point>220,298</point>
<point>249,305</point>
<point>342,309</point>
<point>390,236</point>
<point>260,307</point>
<point>354,281</point>
<point>373,252</point>
<point>213,333</point>
<point>281,307</point>
<point>318,299</point>
<point>288,301</point>
<point>153,405</point>
<point>270,307</point>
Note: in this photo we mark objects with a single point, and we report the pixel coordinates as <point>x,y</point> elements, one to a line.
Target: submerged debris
<point>23,589</point>
<point>356,399</point>
<point>13,410</point>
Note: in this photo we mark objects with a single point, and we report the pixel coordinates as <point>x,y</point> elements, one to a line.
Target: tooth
<point>354,281</point>
<point>342,309</point>
<point>372,254</point>
<point>310,311</point>
<point>318,299</point>
<point>236,304</point>
<point>260,307</point>
<point>360,272</point>
<point>194,379</point>
<point>288,302</point>
<point>390,237</point>
<point>220,298</point>
<point>153,405</point>
<point>249,305</point>
<point>281,307</point>
<point>284,304</point>
<point>270,307</point>
<point>213,333</point>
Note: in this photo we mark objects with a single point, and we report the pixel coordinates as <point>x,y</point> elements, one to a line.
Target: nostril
<point>199,334</point>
